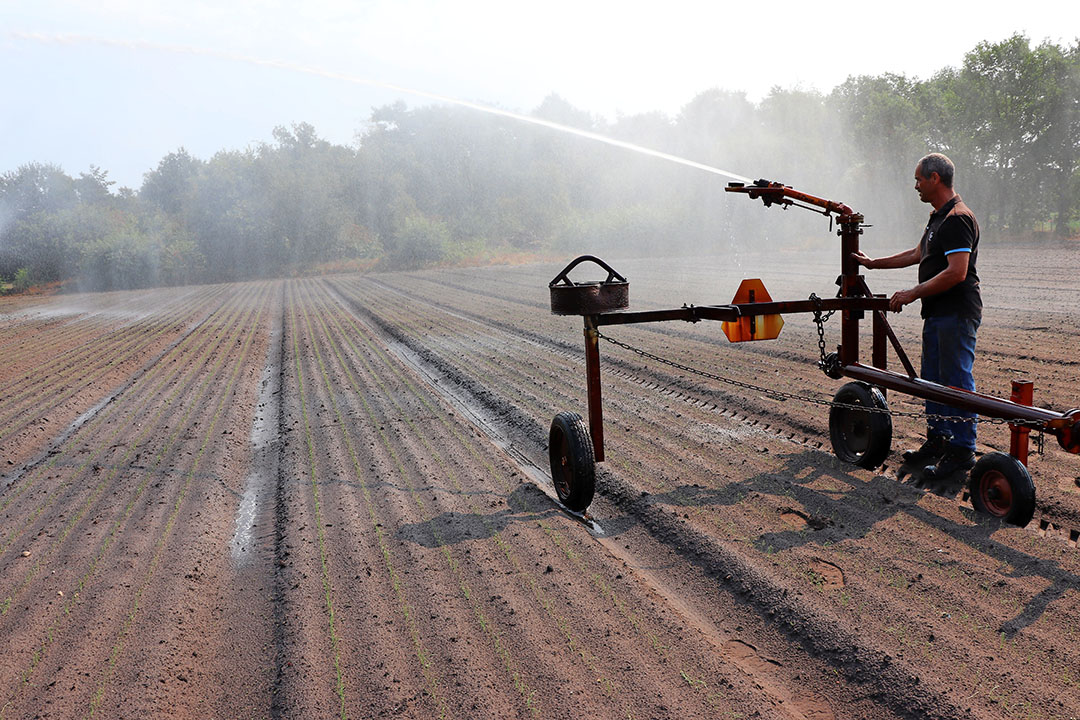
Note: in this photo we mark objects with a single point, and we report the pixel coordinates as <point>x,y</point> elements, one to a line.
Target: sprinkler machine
<point>860,423</point>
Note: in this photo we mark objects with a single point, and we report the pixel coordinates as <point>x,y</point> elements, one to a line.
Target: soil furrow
<point>82,590</point>
<point>104,361</point>
<point>330,500</point>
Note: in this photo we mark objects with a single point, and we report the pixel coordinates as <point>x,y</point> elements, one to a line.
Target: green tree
<point>1057,148</point>
<point>887,128</point>
<point>94,187</point>
<point>419,242</point>
<point>170,186</point>
<point>1000,110</point>
<point>29,197</point>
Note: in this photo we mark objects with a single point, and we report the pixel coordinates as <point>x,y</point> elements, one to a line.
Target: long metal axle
<point>980,403</point>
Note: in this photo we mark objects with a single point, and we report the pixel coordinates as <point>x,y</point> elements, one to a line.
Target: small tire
<point>860,437</point>
<point>573,463</point>
<point>1001,486</point>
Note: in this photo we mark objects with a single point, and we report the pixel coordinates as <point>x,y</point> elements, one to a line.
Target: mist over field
<point>460,182</point>
<point>292,426</point>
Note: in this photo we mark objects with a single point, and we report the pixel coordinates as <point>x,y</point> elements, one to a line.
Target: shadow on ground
<point>853,510</point>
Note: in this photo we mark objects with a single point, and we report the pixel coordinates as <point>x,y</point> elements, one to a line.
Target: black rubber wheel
<point>858,436</point>
<point>1001,486</point>
<point>573,463</point>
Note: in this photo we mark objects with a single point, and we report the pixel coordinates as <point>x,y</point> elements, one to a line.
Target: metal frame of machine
<point>859,424</point>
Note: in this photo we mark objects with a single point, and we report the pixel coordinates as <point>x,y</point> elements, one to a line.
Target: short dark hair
<point>938,163</point>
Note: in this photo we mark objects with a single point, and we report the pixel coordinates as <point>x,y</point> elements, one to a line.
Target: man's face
<point>925,185</point>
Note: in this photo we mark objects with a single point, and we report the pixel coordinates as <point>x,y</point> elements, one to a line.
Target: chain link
<point>820,319</point>
<point>782,395</point>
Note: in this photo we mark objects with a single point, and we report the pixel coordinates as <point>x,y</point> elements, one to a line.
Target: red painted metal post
<point>1023,392</point>
<point>851,284</point>
<point>592,373</point>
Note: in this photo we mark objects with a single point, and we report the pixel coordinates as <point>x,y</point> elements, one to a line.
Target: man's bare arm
<point>947,278</point>
<point>903,259</point>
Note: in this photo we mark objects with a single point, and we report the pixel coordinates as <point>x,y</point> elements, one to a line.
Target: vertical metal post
<point>1023,392</point>
<point>592,373</point>
<point>879,358</point>
<point>850,286</point>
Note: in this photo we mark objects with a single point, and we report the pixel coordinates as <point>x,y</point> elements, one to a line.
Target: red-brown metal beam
<point>1065,426</point>
<point>852,285</point>
<point>987,405</point>
<point>592,375</point>
<point>729,313</point>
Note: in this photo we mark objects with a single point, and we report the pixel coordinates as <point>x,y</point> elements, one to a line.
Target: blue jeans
<point>948,353</point>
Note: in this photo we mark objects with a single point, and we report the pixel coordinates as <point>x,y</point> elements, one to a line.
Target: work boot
<point>929,452</point>
<point>954,460</point>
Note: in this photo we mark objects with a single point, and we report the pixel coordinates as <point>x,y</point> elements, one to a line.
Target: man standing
<point>951,310</point>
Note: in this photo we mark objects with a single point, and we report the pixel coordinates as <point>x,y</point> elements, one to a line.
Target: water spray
<point>67,39</point>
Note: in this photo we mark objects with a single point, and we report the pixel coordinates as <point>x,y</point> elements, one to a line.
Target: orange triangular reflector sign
<point>752,327</point>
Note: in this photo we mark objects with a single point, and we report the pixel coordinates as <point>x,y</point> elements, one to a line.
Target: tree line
<point>444,184</point>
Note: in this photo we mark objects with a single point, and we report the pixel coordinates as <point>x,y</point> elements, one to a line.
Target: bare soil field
<point>330,498</point>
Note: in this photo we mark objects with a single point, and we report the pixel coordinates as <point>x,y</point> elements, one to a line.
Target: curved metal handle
<point>564,277</point>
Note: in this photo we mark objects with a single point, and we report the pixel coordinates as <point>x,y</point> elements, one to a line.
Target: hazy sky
<point>121,83</point>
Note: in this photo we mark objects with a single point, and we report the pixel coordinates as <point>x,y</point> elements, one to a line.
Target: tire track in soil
<point>396,464</point>
<point>503,649</point>
<point>426,657</point>
<point>559,623</point>
<point>324,561</point>
<point>311,629</point>
<point>750,663</point>
<point>474,504</point>
<point>402,458</point>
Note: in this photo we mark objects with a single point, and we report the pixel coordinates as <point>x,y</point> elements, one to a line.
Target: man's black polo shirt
<point>952,228</point>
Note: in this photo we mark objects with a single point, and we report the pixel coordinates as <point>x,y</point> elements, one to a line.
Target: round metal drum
<point>591,298</point>
<point>588,298</point>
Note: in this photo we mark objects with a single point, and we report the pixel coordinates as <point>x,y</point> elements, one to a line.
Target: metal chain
<point>782,395</point>
<point>820,319</point>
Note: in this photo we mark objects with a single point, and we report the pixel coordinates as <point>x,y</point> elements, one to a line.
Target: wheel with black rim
<point>1001,486</point>
<point>573,463</point>
<point>861,437</point>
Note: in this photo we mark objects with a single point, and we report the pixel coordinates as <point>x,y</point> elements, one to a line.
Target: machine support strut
<point>1023,392</point>
<point>592,372</point>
